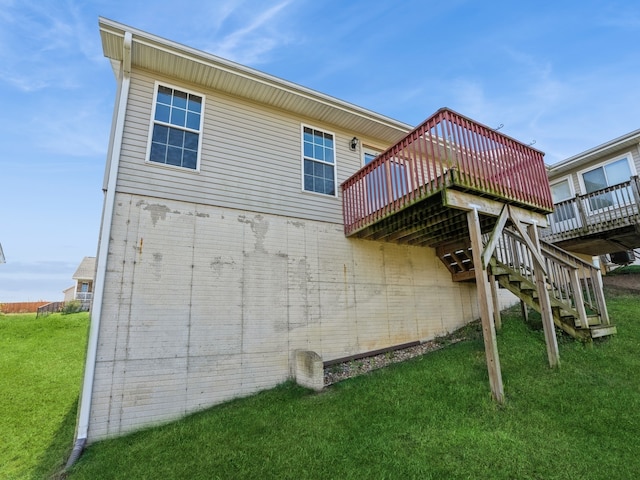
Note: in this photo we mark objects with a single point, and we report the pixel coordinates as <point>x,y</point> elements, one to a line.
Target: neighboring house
<point>248,218</point>
<point>596,197</point>
<point>82,289</point>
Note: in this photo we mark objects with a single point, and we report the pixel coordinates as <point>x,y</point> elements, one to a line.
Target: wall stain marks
<point>157,211</point>
<point>218,264</point>
<point>259,226</point>
<point>296,223</point>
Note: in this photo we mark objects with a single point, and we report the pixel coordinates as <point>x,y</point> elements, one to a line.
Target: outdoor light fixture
<point>354,143</point>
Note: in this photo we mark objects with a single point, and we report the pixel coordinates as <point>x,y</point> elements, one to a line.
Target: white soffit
<point>174,60</point>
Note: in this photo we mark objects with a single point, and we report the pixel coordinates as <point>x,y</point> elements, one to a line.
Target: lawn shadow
<point>52,461</point>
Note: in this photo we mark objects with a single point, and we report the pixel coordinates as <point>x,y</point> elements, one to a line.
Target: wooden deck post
<point>545,303</point>
<point>485,301</point>
<point>497,319</point>
<point>584,224</point>
<point>524,310</point>
<point>635,188</point>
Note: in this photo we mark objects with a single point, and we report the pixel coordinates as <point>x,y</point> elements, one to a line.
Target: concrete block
<point>309,369</point>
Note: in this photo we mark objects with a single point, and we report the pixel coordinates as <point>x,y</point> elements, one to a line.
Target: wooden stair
<point>574,286</point>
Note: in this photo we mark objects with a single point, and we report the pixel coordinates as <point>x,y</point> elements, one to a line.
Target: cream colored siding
<point>250,159</point>
<point>582,166</point>
<point>204,303</point>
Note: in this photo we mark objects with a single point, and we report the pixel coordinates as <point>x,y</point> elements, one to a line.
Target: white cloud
<point>258,33</point>
<point>41,43</point>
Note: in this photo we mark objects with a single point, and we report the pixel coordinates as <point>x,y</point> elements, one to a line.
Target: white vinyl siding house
<point>253,157</point>
<point>597,205</point>
<point>210,278</point>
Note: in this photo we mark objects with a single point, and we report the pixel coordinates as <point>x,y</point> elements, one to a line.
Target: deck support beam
<point>497,319</point>
<point>553,353</point>
<point>486,309</point>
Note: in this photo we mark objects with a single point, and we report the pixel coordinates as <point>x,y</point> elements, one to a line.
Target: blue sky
<point>564,74</point>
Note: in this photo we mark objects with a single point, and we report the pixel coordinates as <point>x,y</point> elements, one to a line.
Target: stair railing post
<point>598,290</point>
<point>484,302</point>
<point>545,303</point>
<point>578,296</point>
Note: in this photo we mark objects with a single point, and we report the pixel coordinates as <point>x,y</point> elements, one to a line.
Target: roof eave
<point>169,58</point>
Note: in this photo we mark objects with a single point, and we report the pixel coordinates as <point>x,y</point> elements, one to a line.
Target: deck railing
<point>52,307</point>
<point>447,149</point>
<point>597,211</point>
<point>84,296</point>
<point>571,281</point>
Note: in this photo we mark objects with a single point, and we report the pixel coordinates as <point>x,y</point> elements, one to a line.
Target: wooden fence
<point>22,307</point>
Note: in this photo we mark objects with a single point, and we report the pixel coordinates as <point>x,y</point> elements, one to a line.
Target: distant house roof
<point>86,270</point>
<point>628,140</point>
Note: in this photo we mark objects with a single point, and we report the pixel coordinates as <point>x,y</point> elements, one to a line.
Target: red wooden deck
<point>398,196</point>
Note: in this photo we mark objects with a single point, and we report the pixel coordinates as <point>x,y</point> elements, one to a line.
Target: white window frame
<point>153,121</point>
<point>583,189</point>
<point>628,156</point>
<point>371,151</point>
<point>567,179</point>
<point>569,223</point>
<point>334,164</point>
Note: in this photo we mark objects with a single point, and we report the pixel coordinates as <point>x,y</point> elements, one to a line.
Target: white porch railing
<point>599,211</point>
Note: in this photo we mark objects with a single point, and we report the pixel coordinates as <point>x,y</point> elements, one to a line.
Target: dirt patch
<point>629,282</point>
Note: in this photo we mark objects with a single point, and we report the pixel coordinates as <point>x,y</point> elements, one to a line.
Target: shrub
<point>73,306</point>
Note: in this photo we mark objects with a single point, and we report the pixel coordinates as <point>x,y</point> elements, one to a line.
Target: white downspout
<point>115,148</point>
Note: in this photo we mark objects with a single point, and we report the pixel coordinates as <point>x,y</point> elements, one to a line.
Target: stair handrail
<point>590,279</point>
<point>570,280</point>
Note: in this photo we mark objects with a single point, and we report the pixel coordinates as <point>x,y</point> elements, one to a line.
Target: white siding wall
<point>214,278</point>
<point>635,153</point>
<point>203,304</point>
<point>251,158</point>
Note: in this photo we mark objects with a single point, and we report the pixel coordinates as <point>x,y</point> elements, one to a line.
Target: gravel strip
<point>342,371</point>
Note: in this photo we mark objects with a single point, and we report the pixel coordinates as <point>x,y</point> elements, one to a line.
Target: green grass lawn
<point>431,417</point>
<point>41,362</point>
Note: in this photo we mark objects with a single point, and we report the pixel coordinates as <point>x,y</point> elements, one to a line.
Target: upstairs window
<point>318,162</point>
<point>563,212</point>
<point>176,128</point>
<point>608,175</point>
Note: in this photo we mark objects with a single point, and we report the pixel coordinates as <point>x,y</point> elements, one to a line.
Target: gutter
<point>115,147</point>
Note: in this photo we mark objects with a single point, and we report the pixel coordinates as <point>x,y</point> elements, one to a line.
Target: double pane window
<point>606,176</point>
<point>177,125</point>
<point>560,192</point>
<point>318,170</point>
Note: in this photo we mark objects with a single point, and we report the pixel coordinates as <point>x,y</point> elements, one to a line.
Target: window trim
<point>630,162</point>
<point>583,189</point>
<point>556,223</point>
<point>334,164</point>
<point>569,180</point>
<point>152,122</point>
<point>366,149</point>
